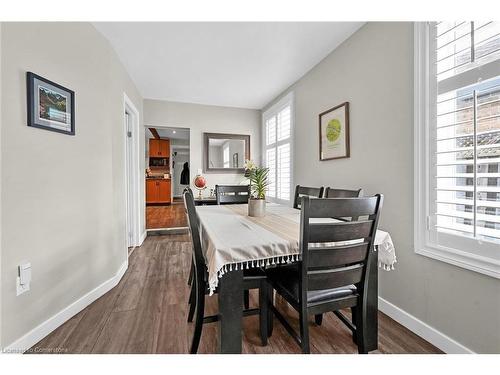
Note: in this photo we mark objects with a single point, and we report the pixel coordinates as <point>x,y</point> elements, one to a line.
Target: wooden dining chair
<point>253,278</point>
<point>189,190</point>
<point>332,274</point>
<point>305,191</point>
<point>232,194</point>
<point>342,193</point>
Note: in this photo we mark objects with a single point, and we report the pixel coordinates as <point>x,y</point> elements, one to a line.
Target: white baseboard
<point>143,237</point>
<point>432,335</point>
<point>35,335</point>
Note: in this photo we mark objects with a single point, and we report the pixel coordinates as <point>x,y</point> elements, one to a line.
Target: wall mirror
<point>226,153</point>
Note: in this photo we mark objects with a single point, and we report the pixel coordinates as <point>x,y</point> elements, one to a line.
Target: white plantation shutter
<point>278,147</point>
<point>462,149</point>
<point>468,160</point>
<point>467,130</point>
<point>283,172</point>
<point>284,124</point>
<point>460,44</point>
<point>271,164</point>
<point>271,131</point>
<point>226,156</point>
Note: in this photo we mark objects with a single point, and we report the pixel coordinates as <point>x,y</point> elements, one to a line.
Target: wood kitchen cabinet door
<point>159,148</point>
<point>164,191</point>
<point>165,148</point>
<point>152,191</point>
<point>154,147</point>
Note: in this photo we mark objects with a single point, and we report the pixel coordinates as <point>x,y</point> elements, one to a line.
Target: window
<point>277,153</point>
<point>225,155</point>
<point>457,149</point>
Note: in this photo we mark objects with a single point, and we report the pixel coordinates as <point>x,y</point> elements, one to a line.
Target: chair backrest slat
<point>342,193</point>
<point>232,194</point>
<point>301,191</point>
<point>342,207</point>
<point>343,231</point>
<point>334,278</point>
<point>337,255</point>
<point>328,261</point>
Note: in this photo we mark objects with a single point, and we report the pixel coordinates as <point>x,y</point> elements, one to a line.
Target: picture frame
<point>334,140</point>
<point>50,106</point>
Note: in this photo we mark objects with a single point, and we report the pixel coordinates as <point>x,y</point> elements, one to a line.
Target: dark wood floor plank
<point>147,313</point>
<point>114,337</point>
<point>57,339</point>
<point>86,333</point>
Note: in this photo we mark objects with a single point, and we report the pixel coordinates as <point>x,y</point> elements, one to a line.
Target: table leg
<point>230,312</point>
<point>371,334</point>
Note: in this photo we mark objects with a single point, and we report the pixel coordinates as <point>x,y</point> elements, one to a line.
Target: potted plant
<point>258,177</point>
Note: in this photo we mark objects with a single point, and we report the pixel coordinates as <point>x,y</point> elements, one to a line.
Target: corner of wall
<point>1,315</point>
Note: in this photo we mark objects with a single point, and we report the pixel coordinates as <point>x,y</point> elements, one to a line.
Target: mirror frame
<point>208,136</point>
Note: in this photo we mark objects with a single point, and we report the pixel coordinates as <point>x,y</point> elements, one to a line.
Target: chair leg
<point>270,315</point>
<point>192,303</point>
<point>263,313</point>
<point>360,329</point>
<point>198,325</point>
<point>246,299</point>
<point>318,318</point>
<point>354,321</point>
<point>304,331</point>
<point>191,273</point>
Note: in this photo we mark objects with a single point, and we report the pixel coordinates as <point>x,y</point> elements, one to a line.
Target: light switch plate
<point>21,288</point>
<point>23,279</point>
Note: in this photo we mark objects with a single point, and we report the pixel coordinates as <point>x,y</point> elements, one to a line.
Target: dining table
<point>233,241</point>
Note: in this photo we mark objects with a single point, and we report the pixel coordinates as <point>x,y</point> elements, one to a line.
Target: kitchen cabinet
<point>158,190</point>
<point>164,191</point>
<point>159,148</point>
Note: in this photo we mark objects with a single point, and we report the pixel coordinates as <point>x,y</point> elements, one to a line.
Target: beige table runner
<point>233,240</point>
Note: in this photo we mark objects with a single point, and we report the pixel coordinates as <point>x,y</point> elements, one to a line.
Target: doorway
<point>131,130</point>
<point>167,174</point>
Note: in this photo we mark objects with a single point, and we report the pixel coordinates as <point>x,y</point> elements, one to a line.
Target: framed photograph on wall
<point>334,133</point>
<point>50,106</point>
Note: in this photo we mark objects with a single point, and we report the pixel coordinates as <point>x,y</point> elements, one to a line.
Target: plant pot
<point>256,207</point>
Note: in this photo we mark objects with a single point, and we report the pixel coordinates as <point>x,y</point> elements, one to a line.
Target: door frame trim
<point>128,106</point>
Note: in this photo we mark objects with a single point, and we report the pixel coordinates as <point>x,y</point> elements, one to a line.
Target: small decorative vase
<point>256,207</point>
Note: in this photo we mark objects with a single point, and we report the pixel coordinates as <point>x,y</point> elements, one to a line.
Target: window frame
<point>287,100</point>
<point>472,254</point>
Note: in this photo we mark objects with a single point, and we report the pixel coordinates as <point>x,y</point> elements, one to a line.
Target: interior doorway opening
<point>167,174</point>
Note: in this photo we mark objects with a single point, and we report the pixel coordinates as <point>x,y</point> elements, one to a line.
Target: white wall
<point>206,119</point>
<point>63,196</point>
<point>373,70</point>
<point>1,342</point>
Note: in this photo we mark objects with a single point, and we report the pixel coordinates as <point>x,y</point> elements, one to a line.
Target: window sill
<point>472,262</point>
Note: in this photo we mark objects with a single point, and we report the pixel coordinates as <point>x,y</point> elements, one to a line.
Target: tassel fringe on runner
<point>386,261</point>
<point>282,259</point>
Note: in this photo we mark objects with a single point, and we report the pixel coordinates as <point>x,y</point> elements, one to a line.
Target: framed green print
<point>334,133</point>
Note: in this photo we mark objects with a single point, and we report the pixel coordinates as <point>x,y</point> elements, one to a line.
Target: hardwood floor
<point>171,216</point>
<point>146,313</point>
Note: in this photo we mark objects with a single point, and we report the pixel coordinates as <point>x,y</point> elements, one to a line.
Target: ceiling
<point>231,64</point>
<point>171,133</point>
